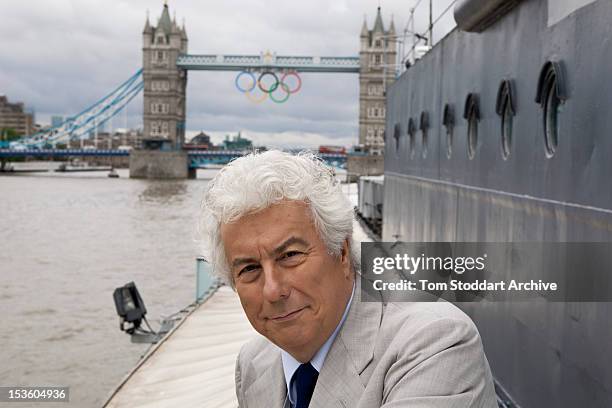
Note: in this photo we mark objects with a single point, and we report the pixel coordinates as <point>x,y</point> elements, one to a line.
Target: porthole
<point>507,119</point>
<point>472,115</point>
<point>472,134</point>
<point>448,120</point>
<point>396,136</point>
<point>412,138</point>
<point>505,109</point>
<point>551,96</point>
<point>551,120</point>
<point>424,125</point>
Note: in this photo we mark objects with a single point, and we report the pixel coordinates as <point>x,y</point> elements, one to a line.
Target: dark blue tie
<point>305,379</point>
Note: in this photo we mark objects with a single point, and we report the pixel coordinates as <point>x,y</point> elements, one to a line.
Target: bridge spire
<point>378,24</point>
<point>364,27</point>
<point>165,23</point>
<point>184,32</point>
<point>392,26</point>
<point>147,28</point>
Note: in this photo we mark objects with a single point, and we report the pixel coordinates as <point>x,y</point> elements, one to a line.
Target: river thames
<point>68,241</point>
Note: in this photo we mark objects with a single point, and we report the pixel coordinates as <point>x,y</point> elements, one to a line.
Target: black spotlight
<point>130,307</point>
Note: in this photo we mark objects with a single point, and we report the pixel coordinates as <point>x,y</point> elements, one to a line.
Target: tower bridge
<point>163,81</point>
<point>166,61</point>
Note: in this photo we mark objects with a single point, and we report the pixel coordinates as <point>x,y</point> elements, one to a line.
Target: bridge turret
<point>365,34</point>
<point>147,33</point>
<point>392,27</point>
<point>164,82</point>
<point>184,39</point>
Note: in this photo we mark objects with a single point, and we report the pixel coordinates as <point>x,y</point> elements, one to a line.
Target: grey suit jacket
<point>408,354</point>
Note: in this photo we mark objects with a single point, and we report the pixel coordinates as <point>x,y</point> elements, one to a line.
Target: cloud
<point>59,56</point>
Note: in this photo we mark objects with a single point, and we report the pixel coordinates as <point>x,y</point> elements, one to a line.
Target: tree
<point>8,134</point>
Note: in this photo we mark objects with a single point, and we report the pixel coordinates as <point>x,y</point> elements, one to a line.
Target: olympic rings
<point>285,88</point>
<point>253,99</point>
<point>238,79</point>
<point>271,88</point>
<point>268,90</point>
<point>295,74</point>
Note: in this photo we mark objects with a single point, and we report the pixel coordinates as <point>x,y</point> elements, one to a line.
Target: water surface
<point>68,241</point>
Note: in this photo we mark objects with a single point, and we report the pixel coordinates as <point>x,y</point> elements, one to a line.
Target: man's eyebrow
<point>281,248</point>
<point>290,241</point>
<point>241,261</point>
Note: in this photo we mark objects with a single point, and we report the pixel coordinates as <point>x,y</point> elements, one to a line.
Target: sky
<point>60,56</point>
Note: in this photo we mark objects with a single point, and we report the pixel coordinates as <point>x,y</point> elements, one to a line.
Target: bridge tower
<point>164,83</point>
<point>377,72</point>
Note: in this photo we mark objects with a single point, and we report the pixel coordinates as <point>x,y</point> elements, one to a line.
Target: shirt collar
<point>290,364</point>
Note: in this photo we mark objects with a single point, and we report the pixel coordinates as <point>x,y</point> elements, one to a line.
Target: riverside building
<point>14,116</point>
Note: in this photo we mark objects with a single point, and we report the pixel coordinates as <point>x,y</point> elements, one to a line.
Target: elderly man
<point>279,230</point>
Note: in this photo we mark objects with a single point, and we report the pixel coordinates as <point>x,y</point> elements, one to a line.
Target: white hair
<point>257,181</point>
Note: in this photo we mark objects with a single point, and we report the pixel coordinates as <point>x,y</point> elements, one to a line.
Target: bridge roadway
<point>197,158</point>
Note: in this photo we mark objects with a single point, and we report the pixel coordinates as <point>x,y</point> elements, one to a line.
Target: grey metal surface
<point>516,48</point>
<point>371,191</point>
<point>542,354</point>
<point>477,15</point>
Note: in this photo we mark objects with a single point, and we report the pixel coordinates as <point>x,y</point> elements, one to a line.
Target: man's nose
<point>275,284</point>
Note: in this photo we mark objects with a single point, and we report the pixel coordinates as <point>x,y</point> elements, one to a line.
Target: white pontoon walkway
<point>193,366</point>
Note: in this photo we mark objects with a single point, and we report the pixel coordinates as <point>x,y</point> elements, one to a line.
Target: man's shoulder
<point>430,348</point>
<point>255,358</point>
<point>428,321</point>
<point>424,312</point>
<point>256,348</point>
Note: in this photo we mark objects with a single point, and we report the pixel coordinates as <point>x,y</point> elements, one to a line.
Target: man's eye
<point>248,268</point>
<point>291,254</point>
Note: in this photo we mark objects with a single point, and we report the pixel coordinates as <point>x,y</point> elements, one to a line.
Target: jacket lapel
<point>339,383</point>
<point>270,389</point>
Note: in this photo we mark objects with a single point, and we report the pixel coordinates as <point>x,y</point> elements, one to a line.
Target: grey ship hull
<point>546,354</point>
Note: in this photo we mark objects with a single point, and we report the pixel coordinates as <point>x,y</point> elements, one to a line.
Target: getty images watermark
<point>477,271</point>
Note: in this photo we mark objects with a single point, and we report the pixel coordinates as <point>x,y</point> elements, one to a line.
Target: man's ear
<point>345,258</point>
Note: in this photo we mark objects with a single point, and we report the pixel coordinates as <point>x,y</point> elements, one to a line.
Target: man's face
<point>292,290</point>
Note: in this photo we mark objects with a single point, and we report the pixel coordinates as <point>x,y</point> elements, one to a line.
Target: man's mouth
<point>286,316</point>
